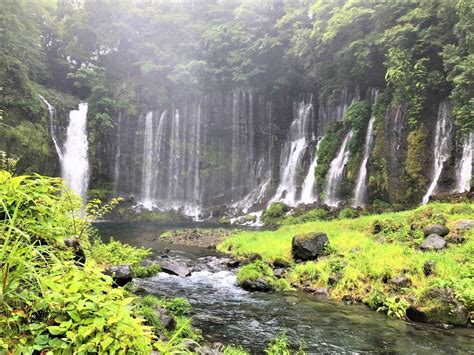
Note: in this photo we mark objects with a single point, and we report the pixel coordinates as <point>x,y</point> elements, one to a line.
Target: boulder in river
<point>175,267</point>
<point>260,285</point>
<point>121,274</point>
<point>433,242</point>
<point>437,229</point>
<point>308,246</point>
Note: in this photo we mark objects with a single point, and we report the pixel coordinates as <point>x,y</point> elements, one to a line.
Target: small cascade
<point>308,194</point>
<point>360,193</point>
<point>52,114</point>
<point>336,173</point>
<point>148,166</point>
<point>442,146</point>
<point>293,151</point>
<point>75,163</point>
<point>464,176</point>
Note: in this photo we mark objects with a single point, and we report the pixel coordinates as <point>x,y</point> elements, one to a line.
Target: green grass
<point>364,258</point>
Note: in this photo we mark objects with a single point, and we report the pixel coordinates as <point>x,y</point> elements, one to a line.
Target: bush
<point>462,208</point>
<point>274,213</point>
<point>317,214</point>
<point>117,253</point>
<point>142,272</point>
<point>348,213</point>
<point>395,307</point>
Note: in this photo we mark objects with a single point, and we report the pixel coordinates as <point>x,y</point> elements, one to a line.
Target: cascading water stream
<point>52,113</point>
<point>441,146</point>
<point>293,152</point>
<point>148,166</point>
<point>308,194</point>
<point>465,167</point>
<point>75,163</point>
<point>360,194</point>
<point>336,173</point>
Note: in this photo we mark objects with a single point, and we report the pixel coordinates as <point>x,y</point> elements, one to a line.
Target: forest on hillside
<point>236,176</point>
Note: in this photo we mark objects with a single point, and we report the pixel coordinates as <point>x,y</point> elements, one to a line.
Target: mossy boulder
<point>433,242</point>
<point>438,229</point>
<point>308,246</point>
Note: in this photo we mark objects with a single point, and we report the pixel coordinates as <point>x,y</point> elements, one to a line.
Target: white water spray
<point>308,194</point>
<point>360,193</point>
<point>441,146</point>
<point>293,152</point>
<point>464,176</point>
<point>75,163</point>
<point>336,173</point>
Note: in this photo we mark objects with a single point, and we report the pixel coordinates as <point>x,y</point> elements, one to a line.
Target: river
<point>229,315</point>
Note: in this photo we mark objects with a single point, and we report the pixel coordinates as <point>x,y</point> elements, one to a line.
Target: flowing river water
<point>230,315</point>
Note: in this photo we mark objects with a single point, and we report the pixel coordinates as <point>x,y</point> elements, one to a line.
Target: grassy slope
<point>364,258</point>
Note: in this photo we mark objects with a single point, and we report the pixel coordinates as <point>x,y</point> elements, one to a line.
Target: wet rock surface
<point>121,274</point>
<point>437,229</point>
<point>433,242</point>
<point>175,267</point>
<point>308,246</point>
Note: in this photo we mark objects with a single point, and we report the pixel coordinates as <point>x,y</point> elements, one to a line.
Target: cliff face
<point>246,149</point>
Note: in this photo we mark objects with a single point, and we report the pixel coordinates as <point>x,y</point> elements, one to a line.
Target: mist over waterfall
<point>308,193</point>
<point>442,146</point>
<point>336,173</point>
<point>197,152</point>
<point>464,175</point>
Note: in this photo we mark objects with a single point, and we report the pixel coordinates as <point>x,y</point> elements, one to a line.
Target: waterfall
<point>52,113</point>
<point>75,163</point>
<point>442,147</point>
<point>293,152</point>
<point>360,194</point>
<point>464,176</point>
<point>308,194</point>
<point>118,154</point>
<point>336,172</point>
<point>148,166</point>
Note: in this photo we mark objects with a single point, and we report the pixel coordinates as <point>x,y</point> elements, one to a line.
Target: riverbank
<point>377,260</point>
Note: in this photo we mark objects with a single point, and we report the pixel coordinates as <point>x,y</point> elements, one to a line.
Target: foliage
<point>394,307</point>
<point>317,214</point>
<point>48,302</point>
<point>141,272</point>
<point>275,212</point>
<point>260,270</point>
<point>326,152</point>
<point>117,253</point>
<point>348,213</point>
<point>414,169</point>
<point>364,260</point>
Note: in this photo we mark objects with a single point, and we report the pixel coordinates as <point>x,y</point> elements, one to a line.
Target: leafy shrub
<point>274,213</point>
<point>257,269</point>
<point>117,253</point>
<point>233,350</point>
<point>395,307</point>
<point>348,213</point>
<point>317,214</point>
<point>462,208</point>
<point>279,346</point>
<point>375,299</point>
<point>145,271</point>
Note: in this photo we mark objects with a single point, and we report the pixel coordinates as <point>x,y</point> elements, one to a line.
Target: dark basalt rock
<point>260,285</point>
<point>175,267</point>
<point>166,319</point>
<point>437,229</point>
<point>429,267</point>
<point>448,309</point>
<point>415,315</point>
<point>334,278</point>
<point>279,272</point>
<point>308,246</point>
<point>400,281</point>
<point>280,263</point>
<point>433,242</point>
<point>79,256</point>
<point>121,274</point>
<point>233,264</point>
<point>464,225</point>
